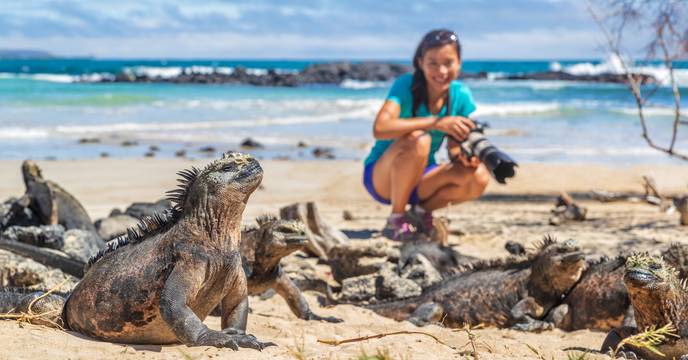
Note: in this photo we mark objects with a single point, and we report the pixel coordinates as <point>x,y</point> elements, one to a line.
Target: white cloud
<point>220,45</point>
<point>230,11</point>
<point>534,44</point>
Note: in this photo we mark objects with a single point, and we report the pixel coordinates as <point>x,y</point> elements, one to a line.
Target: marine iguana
<point>52,203</point>
<point>600,301</point>
<point>513,293</point>
<point>658,297</point>
<point>262,248</point>
<point>443,258</point>
<point>157,284</point>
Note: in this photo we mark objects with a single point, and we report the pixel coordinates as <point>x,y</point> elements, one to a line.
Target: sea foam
<point>615,65</point>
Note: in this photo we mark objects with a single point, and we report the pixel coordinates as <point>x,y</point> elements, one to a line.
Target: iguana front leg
<point>235,309</point>
<point>234,305</point>
<point>182,285</point>
<point>297,303</point>
<point>524,316</point>
<point>560,317</point>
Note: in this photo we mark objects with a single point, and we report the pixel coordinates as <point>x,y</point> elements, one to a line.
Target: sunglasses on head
<point>442,37</point>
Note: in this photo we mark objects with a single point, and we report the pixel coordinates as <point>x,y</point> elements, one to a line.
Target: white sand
<point>335,185</point>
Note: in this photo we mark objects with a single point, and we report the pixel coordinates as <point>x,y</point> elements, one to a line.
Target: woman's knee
<point>482,177</point>
<point>417,141</point>
<point>479,181</point>
<point>470,183</point>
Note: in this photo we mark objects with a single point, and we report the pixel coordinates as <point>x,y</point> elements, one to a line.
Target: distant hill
<point>24,54</point>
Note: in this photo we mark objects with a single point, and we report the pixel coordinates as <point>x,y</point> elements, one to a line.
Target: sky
<point>289,29</point>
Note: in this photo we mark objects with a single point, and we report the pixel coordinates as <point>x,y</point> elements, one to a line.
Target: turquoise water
<point>46,110</point>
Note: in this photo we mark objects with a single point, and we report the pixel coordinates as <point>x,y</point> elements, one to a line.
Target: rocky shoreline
<point>337,73</point>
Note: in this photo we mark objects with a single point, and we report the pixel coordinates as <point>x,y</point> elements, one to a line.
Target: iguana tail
<point>40,308</point>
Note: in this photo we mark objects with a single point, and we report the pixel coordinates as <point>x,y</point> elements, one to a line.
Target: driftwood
<point>566,209</point>
<point>322,237</point>
<point>681,205</point>
<point>651,196</point>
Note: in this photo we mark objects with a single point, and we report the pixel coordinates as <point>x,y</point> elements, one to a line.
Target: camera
<point>500,164</point>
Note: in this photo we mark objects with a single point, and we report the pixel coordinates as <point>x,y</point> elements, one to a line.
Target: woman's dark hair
<point>433,39</point>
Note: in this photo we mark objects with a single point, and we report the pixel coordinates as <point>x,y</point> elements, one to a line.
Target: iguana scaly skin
<point>676,255</point>
<point>36,302</point>
<point>157,285</point>
<point>600,301</point>
<point>658,298</point>
<point>262,248</point>
<point>502,294</point>
<point>52,203</point>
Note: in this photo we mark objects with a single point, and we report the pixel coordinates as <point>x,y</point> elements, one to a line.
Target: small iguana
<point>262,248</point>
<point>513,293</point>
<point>658,298</point>
<point>157,284</point>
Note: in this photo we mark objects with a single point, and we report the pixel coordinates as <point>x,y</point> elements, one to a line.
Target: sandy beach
<point>518,211</point>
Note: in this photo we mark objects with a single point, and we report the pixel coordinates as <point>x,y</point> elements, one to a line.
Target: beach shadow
<point>155,348</point>
<point>534,197</point>
<point>655,225</point>
<point>361,234</point>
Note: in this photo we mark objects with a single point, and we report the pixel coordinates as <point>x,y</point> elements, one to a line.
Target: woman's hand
<point>457,127</point>
<point>456,155</point>
<point>472,162</point>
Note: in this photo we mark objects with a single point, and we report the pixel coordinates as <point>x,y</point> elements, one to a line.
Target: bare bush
<point>666,24</point>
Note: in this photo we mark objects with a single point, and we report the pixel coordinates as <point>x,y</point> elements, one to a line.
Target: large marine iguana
<point>262,248</point>
<point>658,297</point>
<point>514,293</point>
<point>156,285</point>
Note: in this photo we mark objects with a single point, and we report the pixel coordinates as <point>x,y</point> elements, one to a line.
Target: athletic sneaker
<point>422,221</point>
<point>400,228</point>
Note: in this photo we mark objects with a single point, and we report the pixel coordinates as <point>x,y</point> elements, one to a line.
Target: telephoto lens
<point>500,164</point>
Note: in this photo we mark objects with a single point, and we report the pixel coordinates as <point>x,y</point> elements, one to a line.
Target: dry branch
<point>334,342</point>
<point>667,39</point>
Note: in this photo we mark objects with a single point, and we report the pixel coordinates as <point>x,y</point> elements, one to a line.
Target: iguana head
<point>656,293</point>
<point>228,180</point>
<point>263,246</point>
<point>649,273</point>
<point>31,171</point>
<point>280,238</point>
<point>557,266</point>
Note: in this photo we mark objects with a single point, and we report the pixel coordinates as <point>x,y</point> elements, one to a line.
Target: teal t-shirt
<point>462,105</point>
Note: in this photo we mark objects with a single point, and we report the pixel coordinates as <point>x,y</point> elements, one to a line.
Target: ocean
<point>47,109</point>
